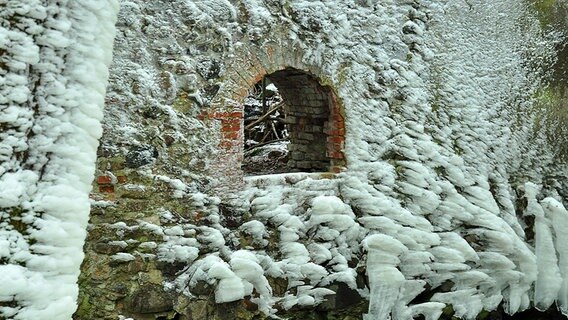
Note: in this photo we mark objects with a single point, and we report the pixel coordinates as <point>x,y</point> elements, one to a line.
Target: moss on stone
<point>183,103</point>
<point>545,11</point>
<point>551,115</point>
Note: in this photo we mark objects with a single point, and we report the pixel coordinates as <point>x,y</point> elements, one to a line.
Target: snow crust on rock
<point>440,132</point>
<point>54,59</point>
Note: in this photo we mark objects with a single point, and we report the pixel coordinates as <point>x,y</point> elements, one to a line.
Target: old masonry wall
<point>441,197</point>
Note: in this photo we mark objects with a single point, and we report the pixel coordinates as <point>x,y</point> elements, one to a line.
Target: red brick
<point>336,139</point>
<point>337,132</point>
<point>335,155</point>
<point>231,134</point>
<point>236,114</point>
<point>204,114</point>
<point>226,115</point>
<point>229,128</point>
<point>339,124</point>
<point>229,144</point>
<point>106,189</point>
<point>218,115</point>
<point>258,77</point>
<point>335,146</point>
<point>121,179</point>
<point>231,121</point>
<point>104,180</point>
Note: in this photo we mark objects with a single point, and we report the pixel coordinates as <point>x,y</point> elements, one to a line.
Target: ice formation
<point>54,59</point>
<point>437,96</point>
<point>426,199</point>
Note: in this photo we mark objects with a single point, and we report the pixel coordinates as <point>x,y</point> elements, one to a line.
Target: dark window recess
<point>291,125</point>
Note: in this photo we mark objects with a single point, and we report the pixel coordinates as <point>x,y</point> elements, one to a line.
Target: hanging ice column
<point>551,250</point>
<point>547,285</point>
<point>385,280</point>
<point>559,216</point>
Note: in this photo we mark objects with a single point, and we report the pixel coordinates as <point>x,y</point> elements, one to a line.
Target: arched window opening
<point>292,124</point>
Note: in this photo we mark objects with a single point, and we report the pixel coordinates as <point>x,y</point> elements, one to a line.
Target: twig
<point>264,116</point>
<point>265,136</point>
<point>274,130</point>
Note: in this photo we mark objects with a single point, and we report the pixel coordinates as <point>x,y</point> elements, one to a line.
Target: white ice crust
<point>53,75</point>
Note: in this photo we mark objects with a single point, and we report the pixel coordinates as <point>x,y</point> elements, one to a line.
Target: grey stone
<point>344,297</point>
<point>106,248</point>
<point>202,288</point>
<point>150,299</point>
<point>298,156</point>
<point>209,92</point>
<point>142,155</point>
<point>306,136</point>
<point>209,68</point>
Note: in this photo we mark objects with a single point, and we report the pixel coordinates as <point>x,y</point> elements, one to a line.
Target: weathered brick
<point>336,155</point>
<point>340,125</point>
<point>104,180</point>
<point>106,189</point>
<point>335,139</point>
<point>231,134</point>
<point>337,132</point>
<point>230,127</point>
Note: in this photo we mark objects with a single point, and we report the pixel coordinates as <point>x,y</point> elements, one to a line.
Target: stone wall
<point>417,121</point>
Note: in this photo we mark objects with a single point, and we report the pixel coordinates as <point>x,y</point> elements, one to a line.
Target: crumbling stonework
<point>406,136</point>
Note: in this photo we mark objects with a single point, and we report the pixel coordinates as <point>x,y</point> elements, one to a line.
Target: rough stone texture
<point>149,299</point>
<point>170,192</point>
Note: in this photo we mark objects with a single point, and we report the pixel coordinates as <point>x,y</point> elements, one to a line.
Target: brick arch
<point>277,62</point>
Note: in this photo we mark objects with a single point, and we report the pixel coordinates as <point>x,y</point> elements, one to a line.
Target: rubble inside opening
<point>291,124</point>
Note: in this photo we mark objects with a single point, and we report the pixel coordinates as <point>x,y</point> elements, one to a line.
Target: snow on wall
<point>54,58</point>
<point>439,134</point>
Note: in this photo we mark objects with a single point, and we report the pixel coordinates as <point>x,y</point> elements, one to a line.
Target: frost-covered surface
<point>54,58</point>
<point>441,155</point>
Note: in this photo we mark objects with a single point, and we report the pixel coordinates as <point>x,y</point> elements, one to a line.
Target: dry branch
<point>264,116</point>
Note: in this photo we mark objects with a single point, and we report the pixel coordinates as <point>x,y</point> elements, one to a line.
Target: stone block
<point>150,299</point>
<point>316,128</point>
<point>107,248</point>
<point>344,297</point>
<point>306,136</point>
<point>304,164</point>
<point>291,119</point>
<point>301,146</point>
<point>298,156</point>
<point>141,155</point>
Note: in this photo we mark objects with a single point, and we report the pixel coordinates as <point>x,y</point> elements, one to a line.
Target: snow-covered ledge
<point>286,178</point>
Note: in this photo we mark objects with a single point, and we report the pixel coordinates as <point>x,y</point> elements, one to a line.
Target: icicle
<point>385,280</point>
<point>547,283</point>
<point>556,211</point>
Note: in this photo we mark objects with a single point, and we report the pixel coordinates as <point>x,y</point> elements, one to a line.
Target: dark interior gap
<point>286,124</point>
